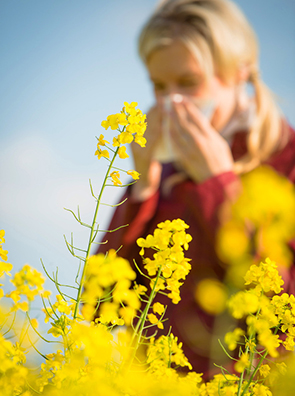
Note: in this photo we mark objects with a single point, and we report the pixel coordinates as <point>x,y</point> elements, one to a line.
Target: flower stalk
<point>91,238</point>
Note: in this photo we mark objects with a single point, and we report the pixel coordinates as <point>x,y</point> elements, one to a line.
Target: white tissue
<point>164,151</point>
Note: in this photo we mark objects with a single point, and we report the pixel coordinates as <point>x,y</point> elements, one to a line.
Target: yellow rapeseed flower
<point>14,295</point>
<point>264,370</point>
<point>242,363</point>
<point>122,152</point>
<point>233,337</point>
<point>125,138</point>
<point>158,308</point>
<point>130,108</point>
<point>116,142</point>
<point>62,305</point>
<point>127,314</point>
<point>135,175</point>
<point>102,141</point>
<point>140,140</point>
<point>2,234</point>
<point>115,175</point>
<point>140,289</point>
<point>211,295</point>
<point>104,273</point>
<point>34,323</point>
<point>23,306</point>
<point>154,320</point>
<point>168,240</point>
<point>282,367</point>
<point>5,268</point>
<point>3,254</point>
<point>261,390</point>
<point>101,153</point>
<point>265,277</point>
<point>165,351</point>
<point>133,123</point>
<point>243,303</point>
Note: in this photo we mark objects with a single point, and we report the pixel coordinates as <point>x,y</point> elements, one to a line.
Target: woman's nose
<point>167,93</point>
<point>172,90</point>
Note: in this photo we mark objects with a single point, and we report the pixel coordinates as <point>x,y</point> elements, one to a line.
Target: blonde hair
<point>222,40</point>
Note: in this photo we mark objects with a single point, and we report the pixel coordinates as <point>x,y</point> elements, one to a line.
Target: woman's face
<point>173,69</point>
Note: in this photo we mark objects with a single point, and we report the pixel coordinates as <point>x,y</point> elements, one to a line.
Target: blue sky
<point>65,65</point>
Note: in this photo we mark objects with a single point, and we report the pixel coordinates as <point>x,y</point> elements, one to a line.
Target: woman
<point>201,57</point>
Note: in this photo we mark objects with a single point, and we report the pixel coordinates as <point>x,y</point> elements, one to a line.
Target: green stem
<point>258,365</point>
<point>254,373</point>
<point>141,322</point>
<point>240,383</point>
<point>90,242</point>
<point>251,359</point>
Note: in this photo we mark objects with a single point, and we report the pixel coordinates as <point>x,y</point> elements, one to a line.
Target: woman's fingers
<point>184,131</point>
<point>196,116</point>
<point>201,151</point>
<point>188,114</point>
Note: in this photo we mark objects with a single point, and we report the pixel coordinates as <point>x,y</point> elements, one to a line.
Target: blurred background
<point>66,65</point>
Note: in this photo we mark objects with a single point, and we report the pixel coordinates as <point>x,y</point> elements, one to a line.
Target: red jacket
<point>198,205</point>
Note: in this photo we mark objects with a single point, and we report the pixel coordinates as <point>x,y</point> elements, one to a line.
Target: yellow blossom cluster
<point>91,350</point>
<point>91,357</point>
<point>108,281</point>
<point>232,338</point>
<point>5,268</point>
<point>102,152</point>
<point>164,353</point>
<point>131,125</point>
<point>265,277</point>
<point>264,370</point>
<point>211,295</point>
<point>158,308</point>
<point>228,385</point>
<point>3,253</point>
<point>168,265</point>
<point>60,325</point>
<point>243,363</point>
<point>133,122</point>
<point>259,221</point>
<point>28,283</point>
<point>13,375</point>
<point>284,309</point>
<point>283,383</point>
<point>265,315</point>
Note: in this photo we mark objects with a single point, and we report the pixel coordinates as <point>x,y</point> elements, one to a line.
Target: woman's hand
<point>149,169</point>
<point>202,152</point>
